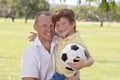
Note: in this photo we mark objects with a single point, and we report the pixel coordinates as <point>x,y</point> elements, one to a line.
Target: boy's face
<point>64,27</point>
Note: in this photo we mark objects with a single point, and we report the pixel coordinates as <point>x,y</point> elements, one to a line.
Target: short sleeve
<point>29,65</point>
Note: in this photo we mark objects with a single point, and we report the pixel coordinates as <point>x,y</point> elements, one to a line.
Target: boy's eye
<point>57,25</point>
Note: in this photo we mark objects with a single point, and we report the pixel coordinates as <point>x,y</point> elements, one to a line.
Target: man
<point>38,62</point>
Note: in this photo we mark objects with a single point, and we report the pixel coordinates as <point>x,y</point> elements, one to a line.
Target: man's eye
<point>63,23</point>
<point>52,26</point>
<point>44,25</point>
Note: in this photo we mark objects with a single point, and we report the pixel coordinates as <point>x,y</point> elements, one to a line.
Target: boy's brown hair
<point>66,13</point>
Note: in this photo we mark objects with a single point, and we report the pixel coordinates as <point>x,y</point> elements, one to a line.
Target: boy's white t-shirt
<point>37,62</point>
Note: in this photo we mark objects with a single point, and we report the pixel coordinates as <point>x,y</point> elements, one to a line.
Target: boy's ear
<point>74,23</point>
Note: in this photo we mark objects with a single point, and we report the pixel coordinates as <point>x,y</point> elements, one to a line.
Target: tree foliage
<point>4,7</point>
<point>113,8</point>
<point>107,9</point>
<point>23,8</point>
<point>54,9</point>
<point>85,12</point>
<point>31,7</point>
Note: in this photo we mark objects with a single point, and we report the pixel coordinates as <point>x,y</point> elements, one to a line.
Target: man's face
<point>64,27</point>
<point>45,28</point>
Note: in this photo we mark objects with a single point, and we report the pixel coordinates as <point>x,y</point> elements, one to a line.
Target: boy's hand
<point>77,65</point>
<point>32,36</point>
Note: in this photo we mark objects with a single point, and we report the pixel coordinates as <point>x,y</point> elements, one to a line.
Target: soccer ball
<point>70,52</point>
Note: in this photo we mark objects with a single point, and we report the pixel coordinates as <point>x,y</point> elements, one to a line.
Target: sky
<point>71,2</point>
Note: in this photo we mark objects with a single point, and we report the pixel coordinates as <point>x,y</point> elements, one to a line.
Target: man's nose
<point>49,27</point>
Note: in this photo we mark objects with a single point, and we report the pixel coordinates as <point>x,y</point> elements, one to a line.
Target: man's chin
<point>49,38</point>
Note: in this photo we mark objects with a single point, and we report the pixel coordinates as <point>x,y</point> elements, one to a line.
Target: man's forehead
<point>43,15</point>
<point>45,19</point>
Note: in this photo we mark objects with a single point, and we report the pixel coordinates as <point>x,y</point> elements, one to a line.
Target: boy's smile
<point>64,27</point>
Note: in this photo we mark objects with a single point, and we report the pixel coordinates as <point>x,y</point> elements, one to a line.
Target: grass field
<point>103,43</point>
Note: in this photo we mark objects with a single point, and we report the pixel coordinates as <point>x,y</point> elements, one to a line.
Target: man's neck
<point>47,46</point>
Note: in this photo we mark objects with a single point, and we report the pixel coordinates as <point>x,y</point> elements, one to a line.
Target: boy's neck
<point>69,35</point>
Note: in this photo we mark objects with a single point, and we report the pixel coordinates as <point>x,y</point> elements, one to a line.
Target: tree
<point>7,9</point>
<point>107,8</point>
<point>31,7</point>
<point>78,2</point>
<point>85,12</point>
<point>61,1</point>
<point>118,13</point>
<point>4,7</point>
<point>54,9</point>
<point>91,1</point>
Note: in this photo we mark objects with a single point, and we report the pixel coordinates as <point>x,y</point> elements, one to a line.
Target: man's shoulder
<point>30,49</point>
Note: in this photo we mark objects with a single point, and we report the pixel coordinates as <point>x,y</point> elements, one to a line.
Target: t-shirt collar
<point>71,37</point>
<point>37,42</point>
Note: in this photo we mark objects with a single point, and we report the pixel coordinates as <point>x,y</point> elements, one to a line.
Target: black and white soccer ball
<point>70,52</point>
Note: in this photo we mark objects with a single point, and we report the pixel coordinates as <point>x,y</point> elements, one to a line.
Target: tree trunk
<point>101,23</point>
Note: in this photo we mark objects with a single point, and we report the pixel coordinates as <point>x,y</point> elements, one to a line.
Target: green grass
<point>13,41</point>
<point>103,43</point>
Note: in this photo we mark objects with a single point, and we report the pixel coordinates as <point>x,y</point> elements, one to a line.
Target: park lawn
<point>104,45</point>
<point>102,42</point>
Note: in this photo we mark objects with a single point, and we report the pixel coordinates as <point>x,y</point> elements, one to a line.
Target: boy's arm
<point>89,60</point>
<point>32,36</point>
<point>29,78</point>
<point>83,63</point>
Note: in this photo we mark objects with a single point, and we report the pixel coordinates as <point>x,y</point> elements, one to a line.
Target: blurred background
<point>85,10</point>
<point>97,20</point>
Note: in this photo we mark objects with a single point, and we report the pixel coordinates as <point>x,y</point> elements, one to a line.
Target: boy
<point>65,24</point>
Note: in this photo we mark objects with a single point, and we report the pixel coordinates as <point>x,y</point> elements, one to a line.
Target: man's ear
<point>35,27</point>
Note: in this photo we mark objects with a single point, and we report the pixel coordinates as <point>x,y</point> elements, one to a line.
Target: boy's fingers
<point>32,33</point>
